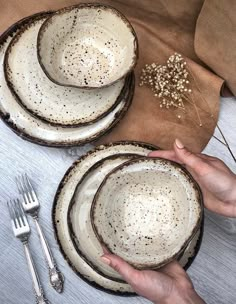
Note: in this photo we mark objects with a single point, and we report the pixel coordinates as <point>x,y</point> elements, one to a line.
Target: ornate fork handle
<point>40,298</point>
<point>56,278</point>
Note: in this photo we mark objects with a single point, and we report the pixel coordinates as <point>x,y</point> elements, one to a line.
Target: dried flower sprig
<point>168,82</point>
<point>171,83</point>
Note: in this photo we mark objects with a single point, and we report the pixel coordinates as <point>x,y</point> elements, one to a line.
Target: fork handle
<point>40,298</point>
<point>56,278</point>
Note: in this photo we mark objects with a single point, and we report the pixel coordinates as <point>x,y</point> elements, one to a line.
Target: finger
<point>168,154</point>
<point>123,268</point>
<point>190,159</point>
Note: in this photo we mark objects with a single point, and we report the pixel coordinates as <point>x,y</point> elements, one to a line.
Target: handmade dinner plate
<point>35,130</point>
<point>63,106</point>
<point>146,211</point>
<point>80,257</point>
<point>87,45</point>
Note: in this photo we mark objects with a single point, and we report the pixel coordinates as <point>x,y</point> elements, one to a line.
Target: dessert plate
<point>58,105</point>
<point>35,130</point>
<point>87,45</point>
<point>82,234</point>
<point>78,255</point>
<point>146,211</point>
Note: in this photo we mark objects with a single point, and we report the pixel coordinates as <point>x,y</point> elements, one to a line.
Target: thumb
<point>129,273</point>
<point>186,157</point>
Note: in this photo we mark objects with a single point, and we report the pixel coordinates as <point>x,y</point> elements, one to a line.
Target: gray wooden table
<point>213,271</point>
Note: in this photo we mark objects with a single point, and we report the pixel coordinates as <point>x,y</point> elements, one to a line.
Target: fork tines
<point>25,188</point>
<point>17,213</point>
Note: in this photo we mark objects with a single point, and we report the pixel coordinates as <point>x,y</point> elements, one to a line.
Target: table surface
<point>213,271</point>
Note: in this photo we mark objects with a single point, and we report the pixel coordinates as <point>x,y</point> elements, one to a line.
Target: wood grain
<point>213,271</point>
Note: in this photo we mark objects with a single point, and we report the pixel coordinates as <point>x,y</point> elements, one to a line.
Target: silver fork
<point>21,230</point>
<point>31,206</point>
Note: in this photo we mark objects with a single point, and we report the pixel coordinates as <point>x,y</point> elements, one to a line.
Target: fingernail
<point>179,144</point>
<point>105,260</point>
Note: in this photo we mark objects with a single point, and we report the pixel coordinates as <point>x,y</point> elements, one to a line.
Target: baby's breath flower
<point>168,82</point>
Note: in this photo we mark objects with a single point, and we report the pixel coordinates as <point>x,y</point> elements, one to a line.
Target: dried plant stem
<point>195,107</point>
<point>227,145</point>
<point>201,95</point>
<point>219,140</point>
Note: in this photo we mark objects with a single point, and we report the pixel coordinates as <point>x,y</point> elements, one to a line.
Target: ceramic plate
<point>67,189</point>
<point>35,130</point>
<point>79,223</point>
<point>52,103</point>
<point>146,211</point>
<point>87,45</point>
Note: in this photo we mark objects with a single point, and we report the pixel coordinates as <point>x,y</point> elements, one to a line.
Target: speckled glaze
<point>62,106</point>
<point>37,131</point>
<point>146,211</point>
<point>73,178</point>
<point>79,223</point>
<point>60,211</point>
<point>87,45</point>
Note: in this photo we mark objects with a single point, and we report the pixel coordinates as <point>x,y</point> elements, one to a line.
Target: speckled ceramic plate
<point>35,130</point>
<point>146,211</point>
<point>88,45</point>
<point>79,223</point>
<point>46,100</point>
<point>75,178</point>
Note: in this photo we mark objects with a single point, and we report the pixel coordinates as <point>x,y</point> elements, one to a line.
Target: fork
<point>31,206</point>
<point>21,230</point>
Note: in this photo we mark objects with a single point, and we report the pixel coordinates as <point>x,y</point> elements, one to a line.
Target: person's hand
<point>168,285</point>
<point>217,182</point>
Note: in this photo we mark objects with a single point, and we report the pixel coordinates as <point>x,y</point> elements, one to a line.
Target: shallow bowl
<point>147,211</point>
<point>87,46</point>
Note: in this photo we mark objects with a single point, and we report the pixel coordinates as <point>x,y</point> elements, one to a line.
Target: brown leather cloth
<point>215,39</point>
<point>163,27</point>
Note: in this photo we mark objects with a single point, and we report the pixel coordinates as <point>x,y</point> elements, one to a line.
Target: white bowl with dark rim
<point>87,46</point>
<point>147,211</point>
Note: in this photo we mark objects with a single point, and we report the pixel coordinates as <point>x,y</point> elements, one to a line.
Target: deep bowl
<point>147,211</point>
<point>87,46</point>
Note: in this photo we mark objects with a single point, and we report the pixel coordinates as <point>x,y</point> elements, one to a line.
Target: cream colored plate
<point>79,215</point>
<point>146,211</point>
<point>35,130</point>
<point>88,45</point>
<point>60,214</point>
<point>50,102</point>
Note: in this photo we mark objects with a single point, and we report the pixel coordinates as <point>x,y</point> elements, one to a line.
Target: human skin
<point>171,284</point>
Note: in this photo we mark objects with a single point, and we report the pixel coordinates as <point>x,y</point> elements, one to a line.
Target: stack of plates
<point>44,111</point>
<point>71,215</point>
